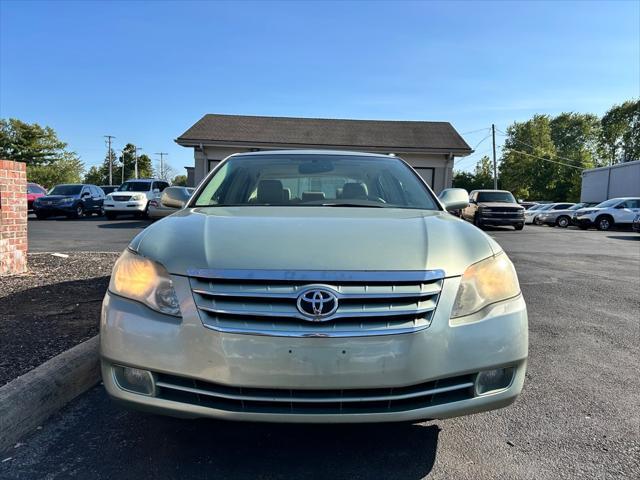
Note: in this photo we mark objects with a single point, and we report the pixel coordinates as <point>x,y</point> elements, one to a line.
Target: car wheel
<point>100,213</point>
<point>563,221</point>
<point>519,226</point>
<point>110,216</point>
<point>604,223</point>
<point>41,216</point>
<point>79,213</point>
<point>537,221</point>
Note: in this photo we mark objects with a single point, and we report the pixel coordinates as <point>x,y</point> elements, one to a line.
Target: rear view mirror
<point>454,198</point>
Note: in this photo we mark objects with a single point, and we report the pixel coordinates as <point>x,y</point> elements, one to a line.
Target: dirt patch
<point>48,310</point>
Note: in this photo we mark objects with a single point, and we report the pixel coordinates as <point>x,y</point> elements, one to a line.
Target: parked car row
<point>603,215</point>
<point>141,197</point>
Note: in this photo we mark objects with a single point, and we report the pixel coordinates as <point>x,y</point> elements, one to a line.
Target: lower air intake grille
<point>282,401</point>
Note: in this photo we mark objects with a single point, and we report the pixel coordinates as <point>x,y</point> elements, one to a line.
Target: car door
<point>86,197</point>
<point>98,197</point>
<point>626,211</point>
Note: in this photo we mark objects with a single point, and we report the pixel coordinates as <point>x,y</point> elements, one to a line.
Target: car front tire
<point>563,221</point>
<point>41,216</point>
<point>519,226</point>
<point>604,223</point>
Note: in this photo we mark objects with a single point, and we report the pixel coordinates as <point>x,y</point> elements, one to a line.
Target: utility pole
<point>135,156</point>
<point>109,138</point>
<point>495,170</point>
<point>162,154</point>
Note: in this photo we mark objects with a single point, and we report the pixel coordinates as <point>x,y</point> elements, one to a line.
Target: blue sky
<point>146,71</point>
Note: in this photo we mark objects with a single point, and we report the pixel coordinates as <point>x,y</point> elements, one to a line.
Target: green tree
<point>179,180</point>
<point>145,168</point>
<point>482,176</point>
<point>575,137</point>
<point>620,132</point>
<point>523,174</point>
<point>65,170</point>
<point>99,175</point>
<point>47,158</point>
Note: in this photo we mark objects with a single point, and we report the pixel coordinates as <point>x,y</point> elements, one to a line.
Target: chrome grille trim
<point>314,401</point>
<point>320,275</point>
<point>265,303</point>
<point>289,399</point>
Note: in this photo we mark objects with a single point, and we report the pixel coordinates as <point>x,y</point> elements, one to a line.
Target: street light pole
<point>135,156</point>
<point>495,170</point>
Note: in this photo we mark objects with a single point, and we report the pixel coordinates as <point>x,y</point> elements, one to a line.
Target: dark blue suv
<point>71,200</point>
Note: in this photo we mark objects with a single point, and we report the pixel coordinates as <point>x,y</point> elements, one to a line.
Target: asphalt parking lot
<point>97,234</point>
<point>578,416</point>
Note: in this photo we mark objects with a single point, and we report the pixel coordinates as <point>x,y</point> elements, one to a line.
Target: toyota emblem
<point>317,303</point>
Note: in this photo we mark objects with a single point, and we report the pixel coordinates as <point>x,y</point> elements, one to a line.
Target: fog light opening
<point>491,381</point>
<point>134,380</point>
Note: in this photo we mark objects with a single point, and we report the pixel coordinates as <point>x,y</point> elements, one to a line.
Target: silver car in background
<point>314,286</point>
<point>169,201</point>
<point>561,217</point>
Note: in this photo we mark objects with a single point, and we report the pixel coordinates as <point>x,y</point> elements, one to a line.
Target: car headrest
<point>355,190</point>
<point>311,196</point>
<point>270,191</point>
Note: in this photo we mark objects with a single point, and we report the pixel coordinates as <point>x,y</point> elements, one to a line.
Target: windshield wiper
<point>347,204</point>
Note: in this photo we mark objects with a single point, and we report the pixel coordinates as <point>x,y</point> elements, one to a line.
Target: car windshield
<point>315,180</point>
<point>66,190</point>
<point>499,197</point>
<point>577,206</point>
<point>608,203</point>
<point>135,187</point>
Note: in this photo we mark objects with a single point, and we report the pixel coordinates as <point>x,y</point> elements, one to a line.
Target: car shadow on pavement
<point>131,223</point>
<point>633,237</point>
<point>96,438</point>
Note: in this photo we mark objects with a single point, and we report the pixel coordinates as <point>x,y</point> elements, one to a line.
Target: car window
<point>632,204</point>
<point>135,186</point>
<point>66,190</point>
<point>500,197</point>
<point>316,180</point>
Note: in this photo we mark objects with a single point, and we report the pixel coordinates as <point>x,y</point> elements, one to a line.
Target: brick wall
<point>13,217</point>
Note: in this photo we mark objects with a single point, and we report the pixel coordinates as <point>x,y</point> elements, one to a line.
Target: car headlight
<point>483,283</point>
<point>145,281</point>
<point>137,196</point>
<point>586,212</point>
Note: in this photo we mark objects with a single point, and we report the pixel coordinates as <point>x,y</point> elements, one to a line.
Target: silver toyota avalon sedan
<point>314,286</point>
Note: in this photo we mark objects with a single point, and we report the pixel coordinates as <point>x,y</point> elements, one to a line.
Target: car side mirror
<point>85,194</point>
<point>172,198</point>
<point>620,206</point>
<point>454,198</point>
<point>156,190</point>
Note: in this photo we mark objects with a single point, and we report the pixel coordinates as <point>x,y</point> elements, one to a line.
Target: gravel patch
<point>51,308</point>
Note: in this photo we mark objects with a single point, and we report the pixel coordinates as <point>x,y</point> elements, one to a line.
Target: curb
<point>28,400</point>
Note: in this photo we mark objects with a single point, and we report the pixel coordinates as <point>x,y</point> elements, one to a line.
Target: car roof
<point>490,190</point>
<point>314,152</point>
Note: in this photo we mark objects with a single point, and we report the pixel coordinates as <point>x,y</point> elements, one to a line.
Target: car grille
<point>265,302</point>
<point>288,401</point>
<point>121,198</point>
<point>503,212</point>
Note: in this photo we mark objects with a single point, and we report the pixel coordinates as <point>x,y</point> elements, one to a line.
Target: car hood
<point>500,204</point>
<point>313,238</point>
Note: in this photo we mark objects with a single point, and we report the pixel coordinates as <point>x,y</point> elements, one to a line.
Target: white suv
<point>132,197</point>
<point>616,211</point>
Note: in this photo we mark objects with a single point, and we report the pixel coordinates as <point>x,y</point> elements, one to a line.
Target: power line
<point>531,146</point>
<point>545,159</point>
<point>480,142</point>
<point>474,131</point>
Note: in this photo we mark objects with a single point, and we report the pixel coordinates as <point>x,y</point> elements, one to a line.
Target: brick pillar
<point>13,217</point>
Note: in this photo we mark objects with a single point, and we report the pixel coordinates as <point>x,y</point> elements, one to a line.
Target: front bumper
<point>133,206</point>
<point>54,209</point>
<point>486,220</point>
<point>582,221</point>
<point>133,335</point>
